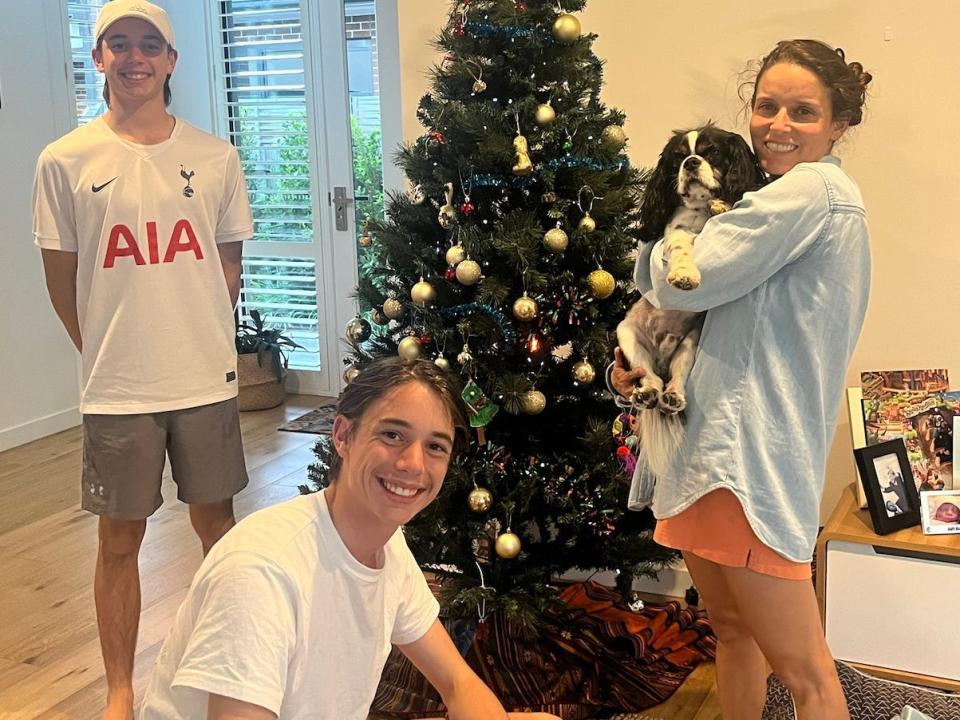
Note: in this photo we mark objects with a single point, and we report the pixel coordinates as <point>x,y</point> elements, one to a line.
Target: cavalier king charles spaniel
<point>700,173</point>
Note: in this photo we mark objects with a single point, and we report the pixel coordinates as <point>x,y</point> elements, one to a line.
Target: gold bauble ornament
<point>468,272</point>
<point>442,363</point>
<point>613,138</point>
<point>378,317</point>
<point>566,28</point>
<point>584,373</point>
<point>392,308</point>
<point>587,224</point>
<point>350,374</point>
<point>465,357</point>
<point>533,402</point>
<point>423,293</point>
<point>456,254</point>
<point>409,348</point>
<point>601,284</point>
<point>545,114</point>
<point>525,308</point>
<point>365,240</point>
<point>480,500</point>
<point>508,545</point>
<point>479,86</point>
<point>556,240</point>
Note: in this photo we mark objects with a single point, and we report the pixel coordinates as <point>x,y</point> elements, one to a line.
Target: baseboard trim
<point>673,581</point>
<point>39,428</point>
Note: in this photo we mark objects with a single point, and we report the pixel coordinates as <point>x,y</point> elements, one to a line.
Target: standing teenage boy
<point>140,219</point>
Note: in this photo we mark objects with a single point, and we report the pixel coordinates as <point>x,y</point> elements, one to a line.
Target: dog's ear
<point>744,173</point>
<point>660,197</point>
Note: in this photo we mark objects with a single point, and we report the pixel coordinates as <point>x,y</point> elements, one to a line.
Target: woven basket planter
<point>259,388</point>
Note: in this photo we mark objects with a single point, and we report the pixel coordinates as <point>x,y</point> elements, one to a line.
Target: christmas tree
<point>508,261</point>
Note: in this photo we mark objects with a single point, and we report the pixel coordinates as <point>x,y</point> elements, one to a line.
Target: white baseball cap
<point>120,9</point>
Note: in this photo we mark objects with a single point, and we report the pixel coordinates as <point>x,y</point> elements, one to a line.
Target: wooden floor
<point>49,652</point>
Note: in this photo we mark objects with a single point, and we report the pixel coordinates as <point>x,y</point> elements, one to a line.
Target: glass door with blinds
<point>298,87</point>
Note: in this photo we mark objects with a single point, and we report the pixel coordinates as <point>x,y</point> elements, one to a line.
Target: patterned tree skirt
<point>591,658</point>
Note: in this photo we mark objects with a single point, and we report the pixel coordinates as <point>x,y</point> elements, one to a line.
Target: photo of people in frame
<point>892,487</point>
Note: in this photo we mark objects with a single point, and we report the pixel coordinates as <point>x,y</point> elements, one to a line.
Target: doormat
<point>869,698</point>
<point>318,421</point>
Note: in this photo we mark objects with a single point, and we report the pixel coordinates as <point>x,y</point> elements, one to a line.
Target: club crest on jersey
<point>187,190</point>
<point>123,243</point>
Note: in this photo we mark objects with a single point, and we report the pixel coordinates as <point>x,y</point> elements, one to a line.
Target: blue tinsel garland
<point>487,29</point>
<point>495,314</point>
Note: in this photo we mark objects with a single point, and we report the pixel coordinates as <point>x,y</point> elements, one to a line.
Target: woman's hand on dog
<point>624,381</point>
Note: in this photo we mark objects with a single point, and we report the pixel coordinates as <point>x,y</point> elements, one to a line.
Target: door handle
<point>340,202</point>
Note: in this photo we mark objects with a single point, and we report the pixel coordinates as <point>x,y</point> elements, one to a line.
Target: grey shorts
<point>123,458</point>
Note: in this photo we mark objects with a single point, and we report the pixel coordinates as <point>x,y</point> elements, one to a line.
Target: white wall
<point>671,64</point>
<point>38,364</point>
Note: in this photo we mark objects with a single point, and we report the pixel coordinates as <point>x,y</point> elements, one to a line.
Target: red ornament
<point>520,6</point>
<point>437,135</point>
<point>467,208</point>
<point>623,451</point>
<point>425,339</point>
<point>458,30</point>
<point>451,273</point>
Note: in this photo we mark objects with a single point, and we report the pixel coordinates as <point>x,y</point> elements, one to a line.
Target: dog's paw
<point>672,402</point>
<point>718,206</point>
<point>687,279</point>
<point>646,397</point>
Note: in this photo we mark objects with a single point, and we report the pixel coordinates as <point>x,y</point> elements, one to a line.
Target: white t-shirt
<point>145,220</point>
<point>281,615</point>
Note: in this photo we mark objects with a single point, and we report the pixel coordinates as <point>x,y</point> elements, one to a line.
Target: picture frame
<point>888,483</point>
<point>858,436</point>
<point>940,512</point>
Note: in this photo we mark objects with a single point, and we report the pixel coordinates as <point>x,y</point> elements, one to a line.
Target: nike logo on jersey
<point>98,188</point>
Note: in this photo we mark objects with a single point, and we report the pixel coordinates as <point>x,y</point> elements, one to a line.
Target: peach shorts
<point>715,528</point>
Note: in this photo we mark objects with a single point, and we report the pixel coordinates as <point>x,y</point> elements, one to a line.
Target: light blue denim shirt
<point>786,276</point>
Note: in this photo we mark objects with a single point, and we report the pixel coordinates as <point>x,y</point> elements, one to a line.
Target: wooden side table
<point>889,603</point>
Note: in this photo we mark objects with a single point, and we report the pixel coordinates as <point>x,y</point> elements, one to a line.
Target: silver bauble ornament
<point>480,500</point>
<point>358,330</point>
<point>423,293</point>
<point>409,348</point>
<point>508,545</point>
<point>587,224</point>
<point>584,373</point>
<point>533,402</point>
<point>392,308</point>
<point>525,308</point>
<point>545,114</point>
<point>442,363</point>
<point>566,28</point>
<point>350,374</point>
<point>556,239</point>
<point>613,138</point>
<point>456,254</point>
<point>602,284</point>
<point>468,272</point>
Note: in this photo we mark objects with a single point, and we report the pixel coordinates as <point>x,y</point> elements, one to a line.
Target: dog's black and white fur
<point>700,173</point>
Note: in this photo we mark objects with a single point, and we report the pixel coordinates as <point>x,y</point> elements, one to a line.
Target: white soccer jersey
<point>145,220</point>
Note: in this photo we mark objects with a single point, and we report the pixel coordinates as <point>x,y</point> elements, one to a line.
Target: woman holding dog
<point>785,276</point>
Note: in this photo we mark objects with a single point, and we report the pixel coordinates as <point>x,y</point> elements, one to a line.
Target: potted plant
<point>261,364</point>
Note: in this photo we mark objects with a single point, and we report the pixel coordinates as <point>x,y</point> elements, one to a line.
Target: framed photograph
<point>858,435</point>
<point>940,510</point>
<point>888,483</point>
